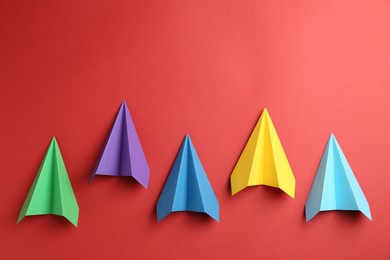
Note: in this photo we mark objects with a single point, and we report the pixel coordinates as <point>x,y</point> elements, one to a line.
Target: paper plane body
<point>263,161</point>
<point>122,154</point>
<point>51,191</point>
<point>335,186</point>
<point>187,187</point>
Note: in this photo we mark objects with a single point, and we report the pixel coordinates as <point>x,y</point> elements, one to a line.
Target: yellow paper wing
<point>263,161</point>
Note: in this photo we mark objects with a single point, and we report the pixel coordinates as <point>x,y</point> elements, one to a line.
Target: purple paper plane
<point>122,154</point>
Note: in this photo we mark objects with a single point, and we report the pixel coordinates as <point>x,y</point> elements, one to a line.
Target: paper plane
<point>187,187</point>
<point>51,191</point>
<point>122,154</point>
<point>263,161</point>
<point>335,186</point>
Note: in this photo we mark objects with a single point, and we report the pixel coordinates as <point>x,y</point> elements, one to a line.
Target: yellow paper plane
<point>263,161</point>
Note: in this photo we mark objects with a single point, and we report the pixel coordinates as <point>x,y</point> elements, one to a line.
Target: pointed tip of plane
<point>160,214</point>
<point>123,104</point>
<point>310,216</point>
<point>19,219</point>
<point>332,137</point>
<point>123,107</point>
<point>368,215</point>
<point>187,137</point>
<point>53,140</point>
<point>264,114</point>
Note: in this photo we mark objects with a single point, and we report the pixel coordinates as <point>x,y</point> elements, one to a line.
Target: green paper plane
<point>51,191</point>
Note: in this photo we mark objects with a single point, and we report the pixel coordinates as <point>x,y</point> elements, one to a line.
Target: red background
<point>206,68</point>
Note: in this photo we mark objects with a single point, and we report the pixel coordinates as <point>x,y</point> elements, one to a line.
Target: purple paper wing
<point>109,162</point>
<point>139,166</point>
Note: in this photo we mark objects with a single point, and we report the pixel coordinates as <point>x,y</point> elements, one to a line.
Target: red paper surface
<point>206,68</point>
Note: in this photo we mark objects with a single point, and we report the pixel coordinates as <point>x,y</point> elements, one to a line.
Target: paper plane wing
<point>122,154</point>
<point>335,186</point>
<point>51,191</point>
<point>263,161</point>
<point>187,187</point>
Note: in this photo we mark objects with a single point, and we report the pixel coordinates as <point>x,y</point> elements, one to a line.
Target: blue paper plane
<point>335,186</point>
<point>187,187</point>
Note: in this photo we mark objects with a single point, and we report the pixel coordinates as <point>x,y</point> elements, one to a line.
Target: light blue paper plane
<point>187,187</point>
<point>335,186</point>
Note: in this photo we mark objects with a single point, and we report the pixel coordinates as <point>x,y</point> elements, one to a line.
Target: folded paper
<point>187,187</point>
<point>263,161</point>
<point>335,186</point>
<point>122,154</point>
<point>51,191</point>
